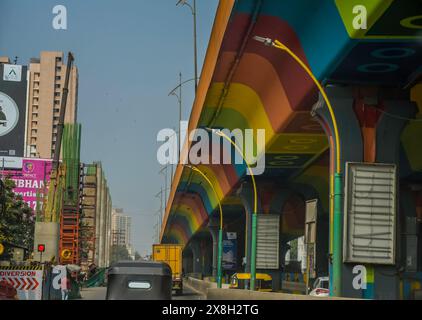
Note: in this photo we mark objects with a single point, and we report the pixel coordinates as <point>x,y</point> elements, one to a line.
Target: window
<point>57,94</point>
<point>324,284</point>
<point>58,78</point>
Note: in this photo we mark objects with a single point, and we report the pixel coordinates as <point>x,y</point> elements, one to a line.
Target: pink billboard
<point>32,179</point>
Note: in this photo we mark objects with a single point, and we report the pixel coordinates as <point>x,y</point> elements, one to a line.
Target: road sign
<point>26,280</point>
<point>41,248</point>
<point>1,249</point>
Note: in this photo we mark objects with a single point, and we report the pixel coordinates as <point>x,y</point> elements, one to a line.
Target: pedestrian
<point>65,287</point>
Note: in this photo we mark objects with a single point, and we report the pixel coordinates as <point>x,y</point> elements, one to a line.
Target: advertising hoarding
<point>370,208</point>
<point>31,180</point>
<point>267,241</point>
<point>13,86</point>
<point>229,251</point>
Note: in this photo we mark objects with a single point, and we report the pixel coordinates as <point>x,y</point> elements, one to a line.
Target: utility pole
<point>180,116</point>
<point>160,215</point>
<point>179,99</point>
<point>195,50</point>
<point>195,46</point>
<point>165,181</point>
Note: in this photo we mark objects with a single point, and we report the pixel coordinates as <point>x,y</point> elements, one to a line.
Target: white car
<point>321,287</point>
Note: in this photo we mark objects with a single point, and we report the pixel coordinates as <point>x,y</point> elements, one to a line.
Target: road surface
<point>99,293</point>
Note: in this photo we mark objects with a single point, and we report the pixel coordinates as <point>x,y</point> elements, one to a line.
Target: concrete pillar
<point>213,227</point>
<point>368,133</point>
<point>196,257</point>
<point>214,234</point>
<point>207,257</point>
<point>246,195</point>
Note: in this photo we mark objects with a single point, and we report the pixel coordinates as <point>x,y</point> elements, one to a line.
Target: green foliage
<point>137,256</point>
<point>119,253</point>
<point>16,220</point>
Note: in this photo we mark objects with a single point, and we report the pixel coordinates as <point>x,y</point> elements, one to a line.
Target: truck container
<point>172,255</point>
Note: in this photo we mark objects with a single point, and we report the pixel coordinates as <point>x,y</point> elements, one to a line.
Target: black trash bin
<point>139,280</point>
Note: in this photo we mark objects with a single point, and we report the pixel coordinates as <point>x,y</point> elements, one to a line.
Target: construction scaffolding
<point>69,218</point>
<point>88,207</point>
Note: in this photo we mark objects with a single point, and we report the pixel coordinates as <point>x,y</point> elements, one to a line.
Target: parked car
<point>321,287</point>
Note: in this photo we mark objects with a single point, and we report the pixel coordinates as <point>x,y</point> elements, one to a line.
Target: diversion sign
<point>26,280</point>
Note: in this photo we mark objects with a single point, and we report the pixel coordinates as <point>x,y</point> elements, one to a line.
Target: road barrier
<point>200,286</point>
<point>238,294</point>
<point>210,290</point>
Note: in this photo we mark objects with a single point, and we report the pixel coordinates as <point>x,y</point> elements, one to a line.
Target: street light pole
<point>179,99</point>
<point>195,46</point>
<point>220,230</point>
<point>180,115</point>
<point>195,49</point>
<point>337,184</point>
<point>255,206</point>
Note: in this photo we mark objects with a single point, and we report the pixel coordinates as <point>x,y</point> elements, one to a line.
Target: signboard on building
<point>32,180</point>
<point>27,281</point>
<point>268,237</point>
<point>13,85</point>
<point>229,260</point>
<point>370,213</point>
<point>12,72</point>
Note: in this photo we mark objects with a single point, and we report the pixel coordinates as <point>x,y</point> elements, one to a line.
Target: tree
<point>137,256</point>
<point>16,219</point>
<point>119,253</point>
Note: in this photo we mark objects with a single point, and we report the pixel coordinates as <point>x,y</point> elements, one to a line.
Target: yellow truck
<point>172,255</point>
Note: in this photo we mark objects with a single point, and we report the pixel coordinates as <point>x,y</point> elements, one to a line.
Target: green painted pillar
<point>337,234</point>
<point>220,258</point>
<point>253,251</point>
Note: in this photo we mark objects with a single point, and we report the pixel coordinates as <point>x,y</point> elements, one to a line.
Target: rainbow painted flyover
<point>257,87</point>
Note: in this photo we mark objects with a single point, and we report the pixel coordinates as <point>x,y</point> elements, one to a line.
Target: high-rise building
<point>46,76</point>
<point>121,229</point>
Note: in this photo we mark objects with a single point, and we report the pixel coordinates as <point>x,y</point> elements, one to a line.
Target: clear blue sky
<point>129,54</point>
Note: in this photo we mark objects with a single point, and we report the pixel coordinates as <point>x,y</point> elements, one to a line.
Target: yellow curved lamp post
<point>337,176</point>
<point>255,205</point>
<point>220,230</point>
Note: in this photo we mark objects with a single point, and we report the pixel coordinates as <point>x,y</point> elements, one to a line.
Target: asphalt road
<point>99,293</point>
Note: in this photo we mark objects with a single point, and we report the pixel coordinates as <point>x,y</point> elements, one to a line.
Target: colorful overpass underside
<point>257,87</point>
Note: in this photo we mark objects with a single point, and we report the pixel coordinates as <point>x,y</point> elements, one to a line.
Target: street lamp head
<point>212,130</point>
<point>266,41</point>
<point>181,2</point>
